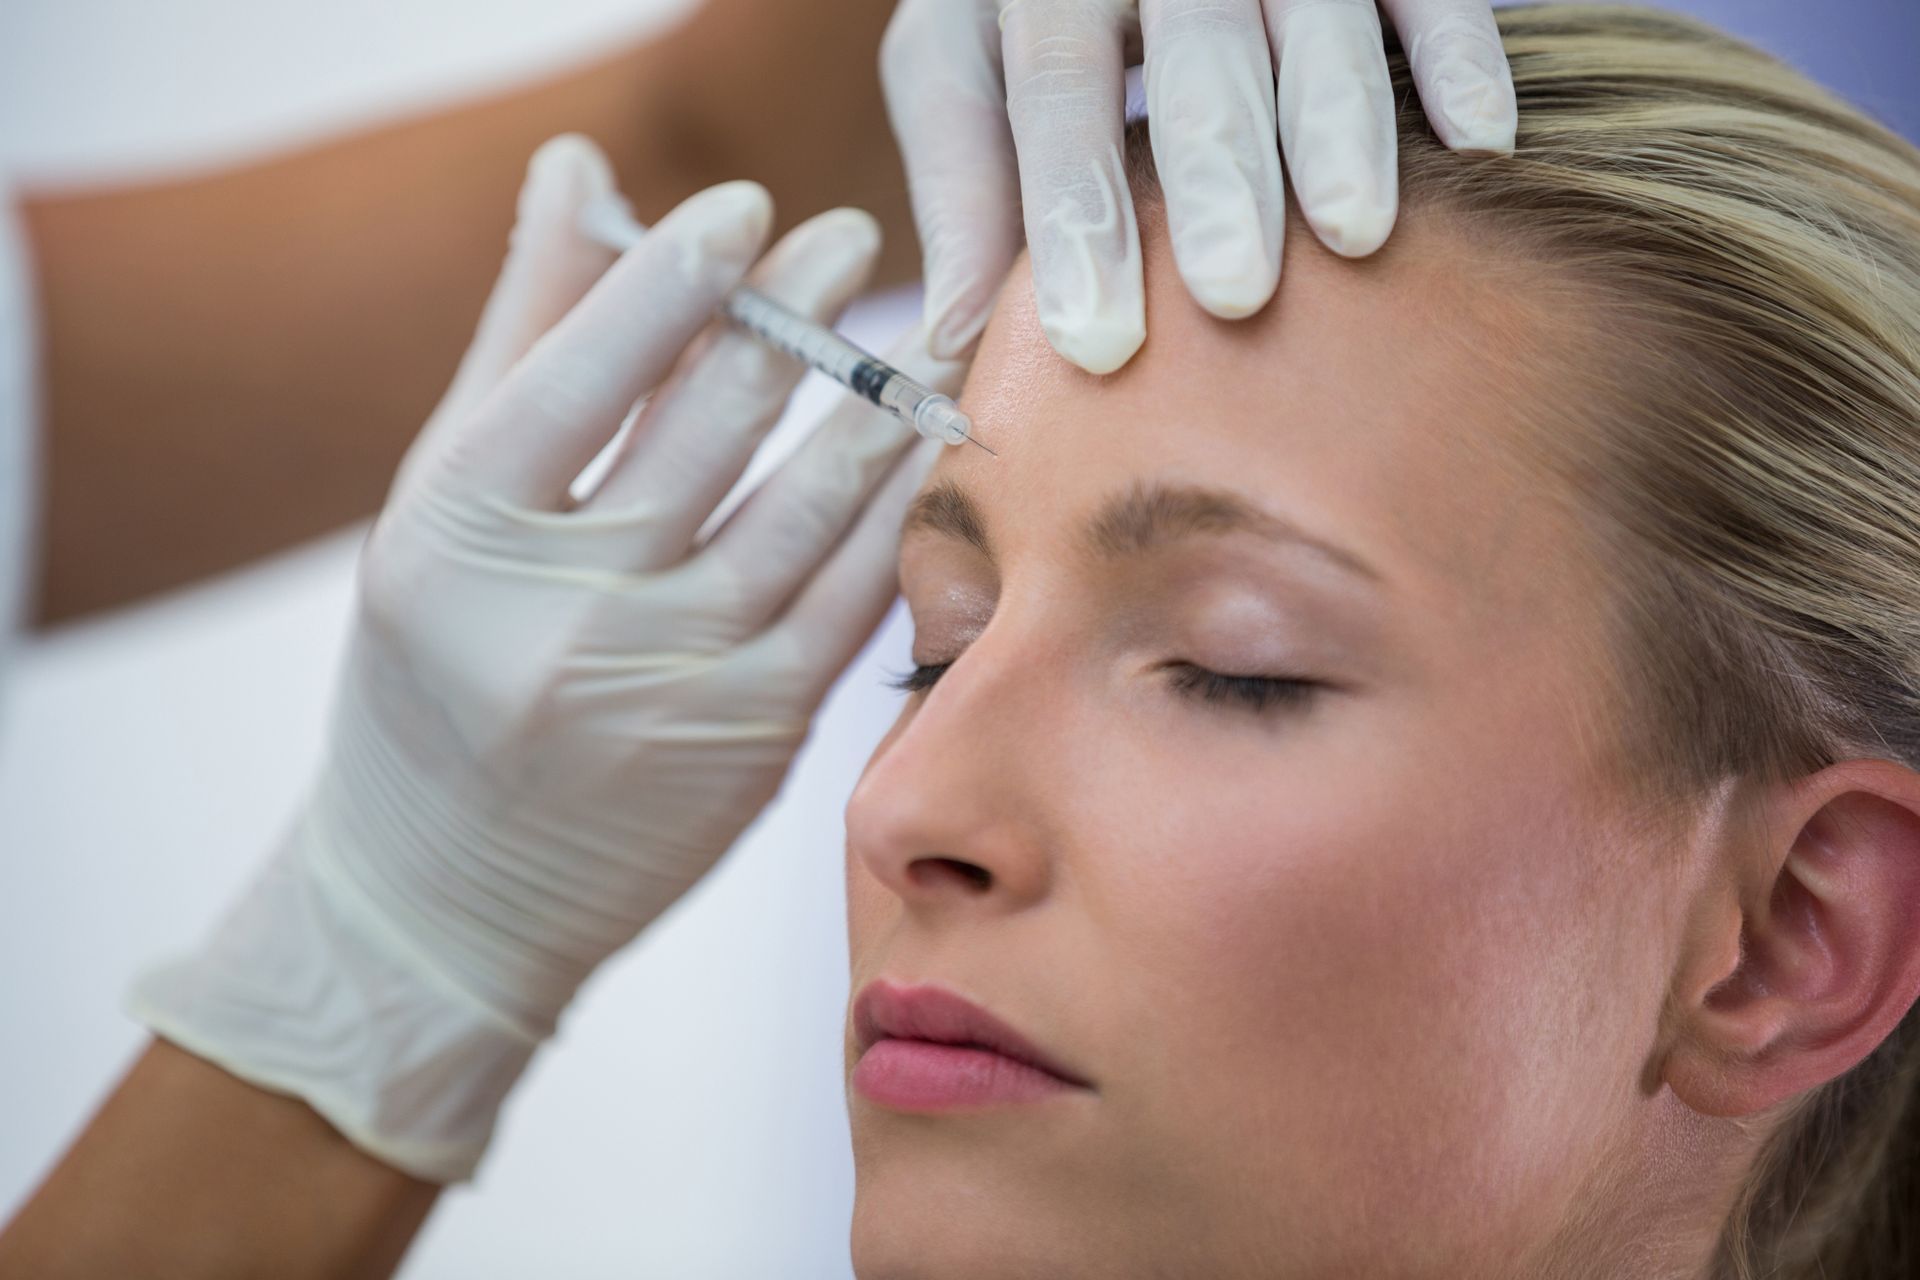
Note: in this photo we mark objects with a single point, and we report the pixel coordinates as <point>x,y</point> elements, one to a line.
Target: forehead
<point>1387,404</point>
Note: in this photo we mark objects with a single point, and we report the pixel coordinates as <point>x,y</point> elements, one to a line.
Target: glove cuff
<point>298,992</point>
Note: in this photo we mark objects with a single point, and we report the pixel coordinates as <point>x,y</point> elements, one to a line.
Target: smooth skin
<point>234,363</point>
<point>1388,981</point>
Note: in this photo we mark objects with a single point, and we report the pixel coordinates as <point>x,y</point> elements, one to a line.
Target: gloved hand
<point>556,715</point>
<point>973,84</point>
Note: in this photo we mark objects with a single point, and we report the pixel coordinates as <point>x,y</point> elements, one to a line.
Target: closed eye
<point>1256,693</point>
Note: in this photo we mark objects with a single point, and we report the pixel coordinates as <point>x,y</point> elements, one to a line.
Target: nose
<point>949,813</point>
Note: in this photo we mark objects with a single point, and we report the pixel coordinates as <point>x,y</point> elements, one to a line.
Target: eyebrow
<point>1146,517</point>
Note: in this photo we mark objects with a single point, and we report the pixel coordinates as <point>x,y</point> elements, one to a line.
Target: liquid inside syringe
<point>608,221</point>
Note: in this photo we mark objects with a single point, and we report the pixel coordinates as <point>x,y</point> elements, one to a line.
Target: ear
<point>1813,956</point>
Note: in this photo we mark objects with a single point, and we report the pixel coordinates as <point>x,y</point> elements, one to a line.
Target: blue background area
<point>1868,50</point>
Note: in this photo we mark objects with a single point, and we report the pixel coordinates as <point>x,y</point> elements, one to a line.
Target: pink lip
<point>926,1049</point>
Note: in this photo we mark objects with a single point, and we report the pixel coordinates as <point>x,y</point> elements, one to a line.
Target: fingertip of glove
<point>827,257</point>
<point>1353,229</point>
<point>1229,269</point>
<point>570,152</point>
<point>1099,344</point>
<point>729,221</point>
<point>568,169</point>
<point>857,232</point>
<point>562,173</point>
<point>1234,298</point>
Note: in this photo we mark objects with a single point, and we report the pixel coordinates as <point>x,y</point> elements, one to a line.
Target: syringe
<point>610,222</point>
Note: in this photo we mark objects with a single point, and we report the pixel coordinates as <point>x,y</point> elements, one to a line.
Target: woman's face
<point>1362,974</point>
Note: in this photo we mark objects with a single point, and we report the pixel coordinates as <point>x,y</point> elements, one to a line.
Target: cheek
<point>1390,964</point>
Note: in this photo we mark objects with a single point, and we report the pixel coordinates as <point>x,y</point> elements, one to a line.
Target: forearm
<point>188,1171</point>
<point>235,363</point>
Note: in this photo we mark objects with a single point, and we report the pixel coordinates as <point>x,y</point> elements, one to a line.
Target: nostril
<point>930,872</point>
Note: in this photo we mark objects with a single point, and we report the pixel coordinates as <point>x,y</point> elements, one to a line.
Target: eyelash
<point>1255,693</point>
<point>920,679</point>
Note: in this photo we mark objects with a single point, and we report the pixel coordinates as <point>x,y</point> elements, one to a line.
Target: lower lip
<point>918,1075</point>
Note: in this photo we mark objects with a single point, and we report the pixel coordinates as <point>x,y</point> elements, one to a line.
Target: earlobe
<point>1818,960</point>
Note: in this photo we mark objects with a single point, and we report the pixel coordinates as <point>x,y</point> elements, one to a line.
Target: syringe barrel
<point>827,351</point>
<point>799,337</point>
<point>610,222</point>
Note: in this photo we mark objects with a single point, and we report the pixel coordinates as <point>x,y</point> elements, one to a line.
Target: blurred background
<point>149,754</point>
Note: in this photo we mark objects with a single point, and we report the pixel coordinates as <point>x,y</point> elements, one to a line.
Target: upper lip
<point>890,1011</point>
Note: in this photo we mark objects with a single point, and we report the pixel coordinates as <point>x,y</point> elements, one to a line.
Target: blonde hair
<point>1753,244</point>
<point>1745,450</point>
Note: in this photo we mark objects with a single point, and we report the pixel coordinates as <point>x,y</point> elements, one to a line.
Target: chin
<point>928,1214</point>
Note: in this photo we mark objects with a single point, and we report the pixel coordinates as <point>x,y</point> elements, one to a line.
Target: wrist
<point>294,995</point>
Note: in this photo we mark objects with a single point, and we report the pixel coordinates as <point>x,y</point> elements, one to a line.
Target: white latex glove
<point>1009,105</point>
<point>554,717</point>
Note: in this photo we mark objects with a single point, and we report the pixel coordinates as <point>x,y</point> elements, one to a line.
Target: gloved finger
<point>549,267</point>
<point>695,436</point>
<point>767,549</point>
<point>564,400</point>
<point>550,264</point>
<point>940,69</point>
<point>835,614</point>
<point>1066,99</point>
<point>1210,111</point>
<point>1337,119</point>
<point>1460,67</point>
